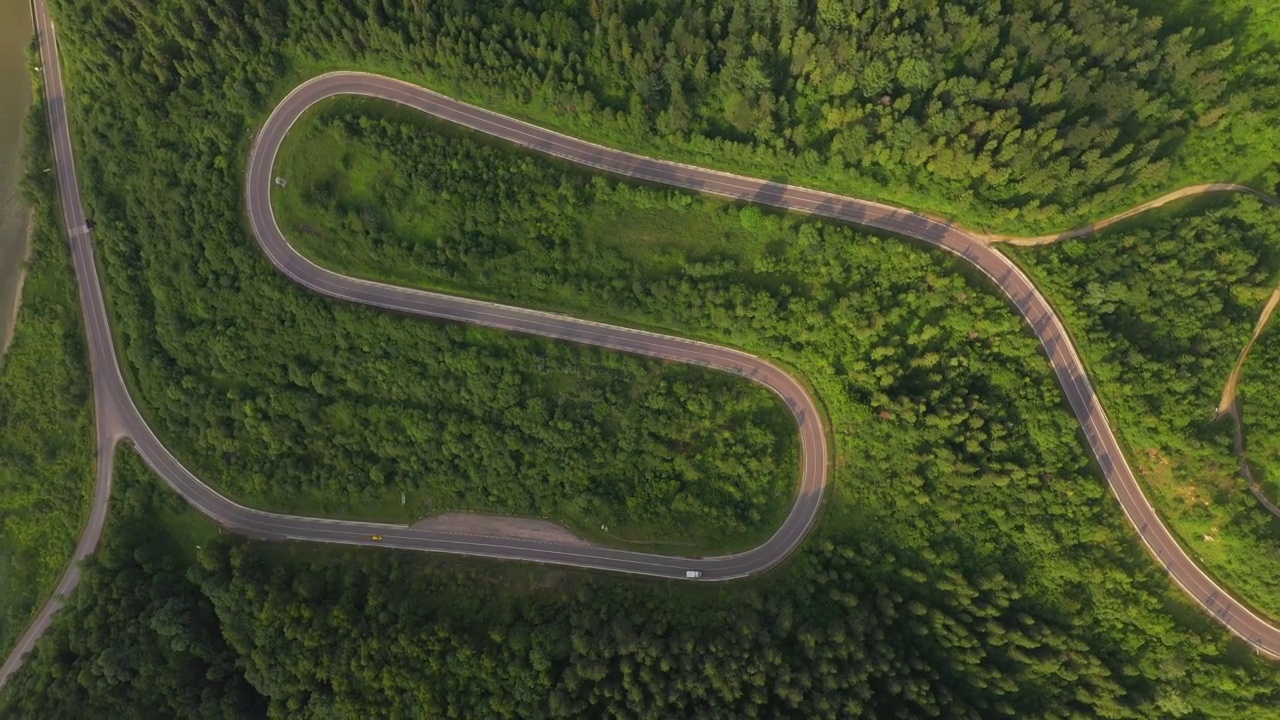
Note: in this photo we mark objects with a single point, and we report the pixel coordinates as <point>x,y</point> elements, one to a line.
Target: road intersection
<point>118,417</point>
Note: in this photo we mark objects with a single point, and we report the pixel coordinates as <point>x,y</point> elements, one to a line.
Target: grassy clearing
<point>338,212</point>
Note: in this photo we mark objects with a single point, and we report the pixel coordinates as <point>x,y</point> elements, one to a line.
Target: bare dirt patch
<point>500,526</point>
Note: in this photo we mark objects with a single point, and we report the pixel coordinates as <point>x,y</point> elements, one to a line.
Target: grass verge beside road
<point>46,409</point>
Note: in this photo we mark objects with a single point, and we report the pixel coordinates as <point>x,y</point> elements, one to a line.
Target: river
<point>15,97</point>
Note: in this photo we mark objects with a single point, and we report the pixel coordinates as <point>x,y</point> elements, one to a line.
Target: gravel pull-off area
<point>499,526</point>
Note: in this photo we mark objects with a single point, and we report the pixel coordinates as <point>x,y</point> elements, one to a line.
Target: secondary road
<point>121,418</point>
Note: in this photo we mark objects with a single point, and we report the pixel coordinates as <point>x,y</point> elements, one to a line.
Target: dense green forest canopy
<point>966,516</point>
<point>1165,304</point>
<point>385,193</point>
<point>137,638</point>
<point>1161,310</point>
<point>854,627</point>
<point>1017,113</point>
<point>1259,398</point>
<point>294,402</point>
<point>932,371</point>
<point>46,425</point>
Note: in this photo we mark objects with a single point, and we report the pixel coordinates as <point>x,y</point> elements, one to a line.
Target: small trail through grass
<point>1229,405</point>
<point>1097,227</point>
<point>1245,471</point>
<point>1228,400</point>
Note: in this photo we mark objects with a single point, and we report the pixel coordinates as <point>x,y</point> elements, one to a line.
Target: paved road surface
<point>1003,272</point>
<point>118,416</point>
<point>109,427</point>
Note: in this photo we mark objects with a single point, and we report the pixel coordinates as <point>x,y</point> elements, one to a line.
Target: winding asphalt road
<point>119,418</point>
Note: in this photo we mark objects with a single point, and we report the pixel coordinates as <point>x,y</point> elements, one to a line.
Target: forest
<point>1016,115</point>
<point>46,412</point>
<point>137,638</point>
<point>292,402</point>
<point>1165,303</point>
<point>970,562</point>
<point>1161,310</point>
<point>175,620</point>
<point>242,373</point>
<point>1259,398</point>
<point>389,194</point>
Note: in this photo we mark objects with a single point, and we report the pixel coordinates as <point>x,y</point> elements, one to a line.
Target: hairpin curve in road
<point>118,418</point>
